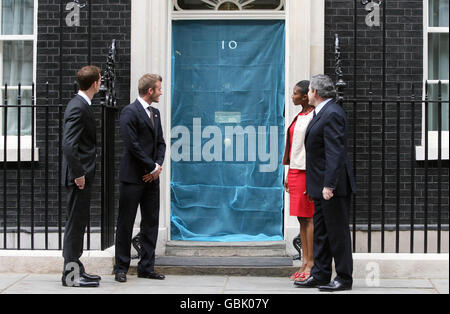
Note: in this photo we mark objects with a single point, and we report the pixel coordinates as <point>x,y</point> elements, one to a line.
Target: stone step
<point>232,266</point>
<point>233,249</point>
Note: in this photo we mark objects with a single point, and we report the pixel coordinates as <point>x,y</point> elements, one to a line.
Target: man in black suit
<point>330,182</point>
<point>78,170</point>
<point>140,168</point>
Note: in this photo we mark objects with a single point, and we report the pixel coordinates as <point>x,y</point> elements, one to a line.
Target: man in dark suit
<point>78,170</point>
<point>330,182</point>
<point>140,168</point>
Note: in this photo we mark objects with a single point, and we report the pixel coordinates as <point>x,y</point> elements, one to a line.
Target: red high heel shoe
<point>303,276</point>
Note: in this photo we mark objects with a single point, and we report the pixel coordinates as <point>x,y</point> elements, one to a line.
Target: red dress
<point>299,203</point>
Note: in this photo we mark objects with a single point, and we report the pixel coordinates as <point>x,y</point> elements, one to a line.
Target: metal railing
<point>399,188</point>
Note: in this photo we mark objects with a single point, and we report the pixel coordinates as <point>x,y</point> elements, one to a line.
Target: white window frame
<point>12,140</point>
<point>179,13</point>
<point>433,136</point>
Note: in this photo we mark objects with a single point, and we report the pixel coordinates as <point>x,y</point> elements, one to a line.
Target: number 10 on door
<point>231,45</point>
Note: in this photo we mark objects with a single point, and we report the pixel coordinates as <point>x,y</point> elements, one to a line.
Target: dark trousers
<point>132,195</point>
<point>332,240</point>
<point>78,207</point>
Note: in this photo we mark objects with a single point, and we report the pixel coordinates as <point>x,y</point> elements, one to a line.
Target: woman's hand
<point>309,197</point>
<point>286,186</point>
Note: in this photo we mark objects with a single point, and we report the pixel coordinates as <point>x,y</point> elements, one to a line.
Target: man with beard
<point>140,168</point>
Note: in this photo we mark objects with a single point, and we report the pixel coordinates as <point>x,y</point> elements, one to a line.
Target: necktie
<point>314,114</point>
<point>151,116</point>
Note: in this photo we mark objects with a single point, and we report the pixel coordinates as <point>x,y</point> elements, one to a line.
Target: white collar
<point>82,94</point>
<point>143,103</point>
<point>321,105</point>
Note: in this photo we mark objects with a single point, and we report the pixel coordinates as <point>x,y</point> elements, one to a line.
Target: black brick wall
<point>111,19</point>
<point>363,68</point>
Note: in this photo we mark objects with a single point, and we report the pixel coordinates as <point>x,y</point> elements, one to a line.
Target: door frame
<point>211,16</point>
<point>151,52</point>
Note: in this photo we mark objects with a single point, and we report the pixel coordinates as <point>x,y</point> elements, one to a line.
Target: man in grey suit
<point>79,157</point>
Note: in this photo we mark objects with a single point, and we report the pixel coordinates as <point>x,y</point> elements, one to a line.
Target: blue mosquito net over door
<point>227,130</point>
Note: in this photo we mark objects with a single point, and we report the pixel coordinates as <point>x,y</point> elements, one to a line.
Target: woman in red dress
<point>295,157</point>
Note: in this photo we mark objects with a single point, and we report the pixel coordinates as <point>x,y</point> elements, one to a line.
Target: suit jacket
<point>144,143</point>
<point>79,141</point>
<point>327,163</point>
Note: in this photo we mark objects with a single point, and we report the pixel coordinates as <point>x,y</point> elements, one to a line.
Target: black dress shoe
<point>78,282</point>
<point>121,277</point>
<point>152,275</point>
<point>335,285</point>
<point>91,277</point>
<point>311,282</point>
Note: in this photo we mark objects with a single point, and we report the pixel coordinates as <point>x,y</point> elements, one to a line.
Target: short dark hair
<point>87,75</point>
<point>303,86</point>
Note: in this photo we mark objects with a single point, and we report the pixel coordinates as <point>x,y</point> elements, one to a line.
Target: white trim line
<point>437,29</point>
<point>433,141</point>
<point>168,159</point>
<point>228,15</point>
<point>17,37</point>
<point>435,82</point>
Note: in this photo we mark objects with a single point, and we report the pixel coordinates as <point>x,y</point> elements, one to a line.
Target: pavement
<point>201,285</point>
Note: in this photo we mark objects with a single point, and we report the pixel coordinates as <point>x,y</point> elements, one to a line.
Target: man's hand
<point>327,193</point>
<point>147,178</point>
<point>156,174</point>
<point>286,186</point>
<point>152,176</point>
<point>80,182</point>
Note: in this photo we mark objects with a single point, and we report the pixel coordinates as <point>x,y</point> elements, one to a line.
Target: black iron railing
<point>399,185</point>
<point>401,171</point>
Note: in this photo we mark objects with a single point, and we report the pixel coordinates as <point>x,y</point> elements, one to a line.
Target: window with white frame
<point>437,59</point>
<point>18,42</point>
<point>436,69</point>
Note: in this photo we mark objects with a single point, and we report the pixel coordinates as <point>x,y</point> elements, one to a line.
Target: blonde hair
<point>148,81</point>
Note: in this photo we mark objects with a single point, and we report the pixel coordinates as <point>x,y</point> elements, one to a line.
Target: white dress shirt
<point>82,94</point>
<point>145,105</point>
<point>321,105</point>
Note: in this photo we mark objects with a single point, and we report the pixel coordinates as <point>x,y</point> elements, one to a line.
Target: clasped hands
<point>149,177</point>
<point>327,193</point>
<point>80,182</point>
